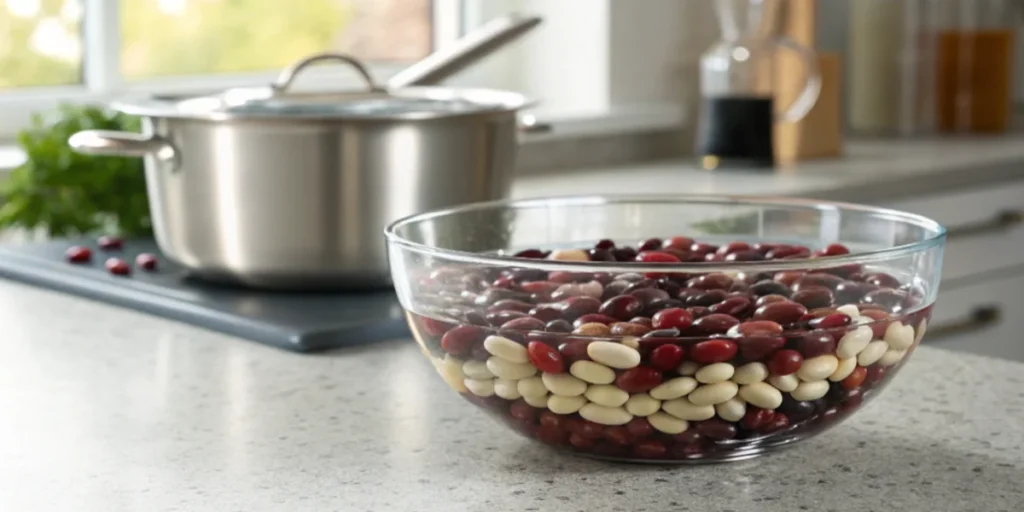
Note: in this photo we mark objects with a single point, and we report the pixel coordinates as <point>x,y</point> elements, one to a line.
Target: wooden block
<point>820,133</point>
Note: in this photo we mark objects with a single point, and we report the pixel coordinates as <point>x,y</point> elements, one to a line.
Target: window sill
<point>623,121</point>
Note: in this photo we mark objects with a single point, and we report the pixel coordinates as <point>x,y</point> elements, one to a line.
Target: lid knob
<point>288,74</point>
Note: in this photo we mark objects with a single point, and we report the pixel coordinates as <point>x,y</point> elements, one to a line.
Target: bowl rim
<point>497,259</point>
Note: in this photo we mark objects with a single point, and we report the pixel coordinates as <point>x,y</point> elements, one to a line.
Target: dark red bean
<point>650,295</point>
<point>755,417</point>
<point>835,250</point>
<point>714,324</point>
<point>702,248</point>
<point>768,299</point>
<point>850,292</point>
<point>769,287</point>
<point>690,436</point>
<point>789,277</point>
<point>639,427</point>
<point>891,300</point>
<point>492,295</point>
<point>830,321</point>
<point>618,435</point>
<point>533,254</point>
<point>434,327</point>
<point>545,357</point>
<point>545,314</point>
<point>118,267</point>
<point>658,305</point>
<point>816,343</point>
<point>642,320</point>
<point>505,282</point>
<point>713,351</point>
<point>110,243</point>
<point>622,307</point>
<point>524,324</point>
<point>588,429</point>
<point>748,255</point>
<point>510,305</point>
<point>780,312</point>
<point>855,379</point>
<point>813,297</point>
<point>796,410</point>
<point>580,442</point>
<point>558,326</point>
<point>650,449</point>
<point>575,350</point>
<point>817,279</point>
<point>523,411</point>
<point>461,339</point>
<point>604,244</point>
<point>716,429</point>
<point>575,307</point>
<point>732,247</point>
<point>521,276</point>
<point>78,254</point>
<point>698,312</point>
<point>550,419</point>
<point>678,242</point>
<point>551,435</point>
<point>760,347</point>
<point>713,281</point>
<point>667,357</point>
<point>638,380</point>
<point>600,255</point>
<point>649,256</point>
<point>672,318</point>
<point>881,321</point>
<point>785,362</point>
<point>649,245</point>
<point>500,318</point>
<point>759,327</point>
<point>875,374</point>
<point>707,298</point>
<point>776,423</point>
<point>624,254</point>
<point>146,261</point>
<point>479,353</point>
<point>733,306</point>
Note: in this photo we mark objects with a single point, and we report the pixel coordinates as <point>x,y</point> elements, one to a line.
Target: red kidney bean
<point>649,244</point>
<point>881,280</point>
<point>813,297</point>
<point>716,429</point>
<point>713,281</point>
<point>855,379</point>
<point>629,329</point>
<point>558,326</point>
<point>510,305</point>
<point>574,350</point>
<point>588,429</point>
<point>891,300</point>
<point>505,282</point>
<point>110,243</point>
<point>146,261</point>
<point>755,417</point>
<point>678,242</point>
<point>698,312</point>
<point>533,254</point>
<point>835,250</point>
<point>580,442</point>
<point>788,251</point>
<point>575,307</point>
<point>770,287</point>
<point>624,254</point>
<point>875,374</point>
<point>622,307</point>
<point>672,318</point>
<point>667,357</point>
<point>653,308</point>
<point>492,295</point>
<point>524,324</point>
<point>713,351</point>
<point>545,314</point>
<point>648,296</point>
<point>785,362</point>
<point>604,244</point>
<point>650,449</point>
<point>776,423</point>
<point>702,247</point>
<point>759,347</point>
<point>817,279</point>
<point>618,435</point>
<point>755,327</point>
<point>639,427</point>
<point>714,324</point>
<point>881,321</point>
<point>461,339</point>
<point>639,379</point>
<point>850,292</point>
<point>736,307</point>
<point>796,410</point>
<point>707,298</point>
<point>642,320</point>
<point>523,411</point>
<point>780,312</point>
<point>600,255</point>
<point>551,435</point>
<point>78,254</point>
<point>545,357</point>
<point>789,277</point>
<point>117,267</point>
<point>748,255</point>
<point>435,327</point>
<point>733,247</point>
<point>499,318</point>
<point>830,321</point>
<point>816,343</point>
<point>768,299</point>
<point>649,256</point>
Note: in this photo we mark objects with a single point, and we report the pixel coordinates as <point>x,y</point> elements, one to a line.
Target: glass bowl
<point>667,329</point>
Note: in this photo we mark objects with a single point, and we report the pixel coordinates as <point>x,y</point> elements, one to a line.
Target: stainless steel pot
<point>277,189</point>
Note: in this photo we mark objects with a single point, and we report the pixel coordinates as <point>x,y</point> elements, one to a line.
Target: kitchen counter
<point>871,171</point>
<point>104,409</point>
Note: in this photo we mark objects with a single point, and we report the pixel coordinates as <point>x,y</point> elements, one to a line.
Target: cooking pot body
<point>302,204</point>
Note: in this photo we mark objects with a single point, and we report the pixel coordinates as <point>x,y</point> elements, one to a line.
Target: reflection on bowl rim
<point>806,264</point>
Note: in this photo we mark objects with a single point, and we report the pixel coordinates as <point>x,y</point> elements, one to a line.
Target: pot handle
<point>290,73</point>
<point>114,143</point>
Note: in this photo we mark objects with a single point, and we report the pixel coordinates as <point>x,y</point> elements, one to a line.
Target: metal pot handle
<point>288,75</point>
<point>114,143</point>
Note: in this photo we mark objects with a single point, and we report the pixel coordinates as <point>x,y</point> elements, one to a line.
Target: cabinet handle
<point>1001,221</point>
<point>979,318</point>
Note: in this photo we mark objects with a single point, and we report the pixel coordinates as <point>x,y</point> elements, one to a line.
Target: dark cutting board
<point>301,322</point>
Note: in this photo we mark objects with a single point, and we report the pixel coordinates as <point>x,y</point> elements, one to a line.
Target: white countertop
<point>109,410</point>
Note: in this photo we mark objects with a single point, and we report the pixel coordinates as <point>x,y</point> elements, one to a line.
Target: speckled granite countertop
<point>104,409</point>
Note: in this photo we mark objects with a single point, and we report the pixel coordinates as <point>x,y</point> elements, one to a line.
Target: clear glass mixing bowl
<point>667,329</point>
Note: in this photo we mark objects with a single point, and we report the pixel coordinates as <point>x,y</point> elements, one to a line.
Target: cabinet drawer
<point>984,318</point>
<point>986,227</point>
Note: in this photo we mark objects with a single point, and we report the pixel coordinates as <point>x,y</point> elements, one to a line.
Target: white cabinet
<point>959,320</point>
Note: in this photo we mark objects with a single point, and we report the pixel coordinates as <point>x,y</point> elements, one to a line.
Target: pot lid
<point>278,102</point>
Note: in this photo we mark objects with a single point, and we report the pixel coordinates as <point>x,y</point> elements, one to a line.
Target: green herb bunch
<point>65,193</point>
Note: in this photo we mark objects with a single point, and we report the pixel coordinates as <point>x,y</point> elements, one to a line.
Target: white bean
<point>450,369</point>
<point>899,336</point>
<point>761,394</point>
<point>849,310</point>
<point>532,386</point>
<point>642,404</point>
<point>505,369</point>
<point>688,368</point>
<point>614,355</point>
<point>592,289</point>
<point>731,410</point>
<point>563,384</point>
<point>538,401</point>
<point>480,387</point>
<point>506,349</point>
<point>853,342</point>
<point>750,373</point>
<point>716,372</point>
<point>605,415</point>
<point>784,383</point>
<point>871,354</point>
<point>476,370</point>
<point>674,388</point>
<point>684,409</point>
<point>592,372</point>
<point>565,404</point>
<point>507,389</point>
<point>921,329</point>
<point>810,390</point>
<point>712,394</point>
<point>892,357</point>
<point>631,341</point>
<point>845,368</point>
<point>569,255</point>
<point>818,368</point>
<point>667,423</point>
<point>606,395</point>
